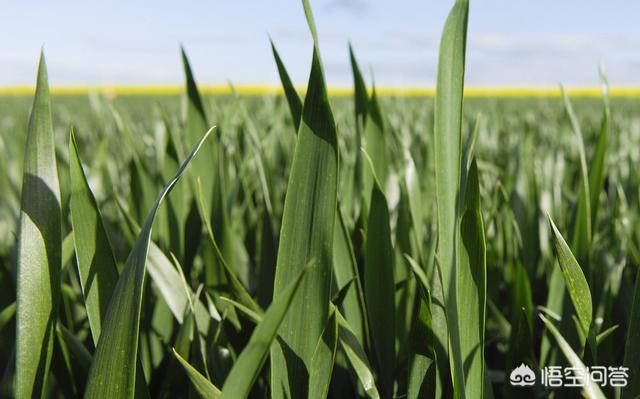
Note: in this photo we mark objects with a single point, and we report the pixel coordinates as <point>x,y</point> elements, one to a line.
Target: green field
<point>363,246</point>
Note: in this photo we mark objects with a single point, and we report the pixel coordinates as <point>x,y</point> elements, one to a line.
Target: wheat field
<point>313,243</point>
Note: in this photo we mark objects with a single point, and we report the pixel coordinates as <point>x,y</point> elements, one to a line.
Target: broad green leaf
<point>95,260</point>
<point>632,348</point>
<point>471,287</point>
<point>112,373</point>
<point>204,387</point>
<point>307,233</point>
<point>447,151</point>
<point>39,249</point>
<point>379,288</point>
<point>293,99</point>
<point>357,357</point>
<point>591,390</point>
<point>323,359</point>
<point>574,279</point>
<point>246,369</point>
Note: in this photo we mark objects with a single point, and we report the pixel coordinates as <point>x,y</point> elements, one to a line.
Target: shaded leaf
<point>39,249</point>
<point>307,233</point>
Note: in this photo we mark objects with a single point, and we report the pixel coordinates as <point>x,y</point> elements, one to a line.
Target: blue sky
<point>517,42</point>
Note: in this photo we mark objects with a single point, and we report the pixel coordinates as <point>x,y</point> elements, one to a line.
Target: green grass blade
<point>39,249</point>
<point>246,369</point>
<point>422,366</point>
<point>113,370</point>
<point>581,237</point>
<point>68,249</point>
<point>591,390</point>
<point>521,337</point>
<point>94,255</point>
<point>447,151</point>
<point>95,260</point>
<point>574,279</point>
<point>323,359</point>
<point>345,270</point>
<point>423,371</point>
<point>80,353</point>
<point>293,99</point>
<point>195,118</point>
<point>307,233</point>
<point>361,99</point>
<point>360,91</point>
<point>375,143</point>
<point>204,387</point>
<point>414,196</point>
<point>357,357</point>
<point>440,329</point>
<point>196,122</point>
<point>379,288</point>
<point>471,287</point>
<point>267,265</point>
<point>601,337</point>
<point>597,166</point>
<point>632,348</point>
<point>468,155</point>
<point>250,314</point>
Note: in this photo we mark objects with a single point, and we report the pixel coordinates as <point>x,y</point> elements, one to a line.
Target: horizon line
<point>509,91</point>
